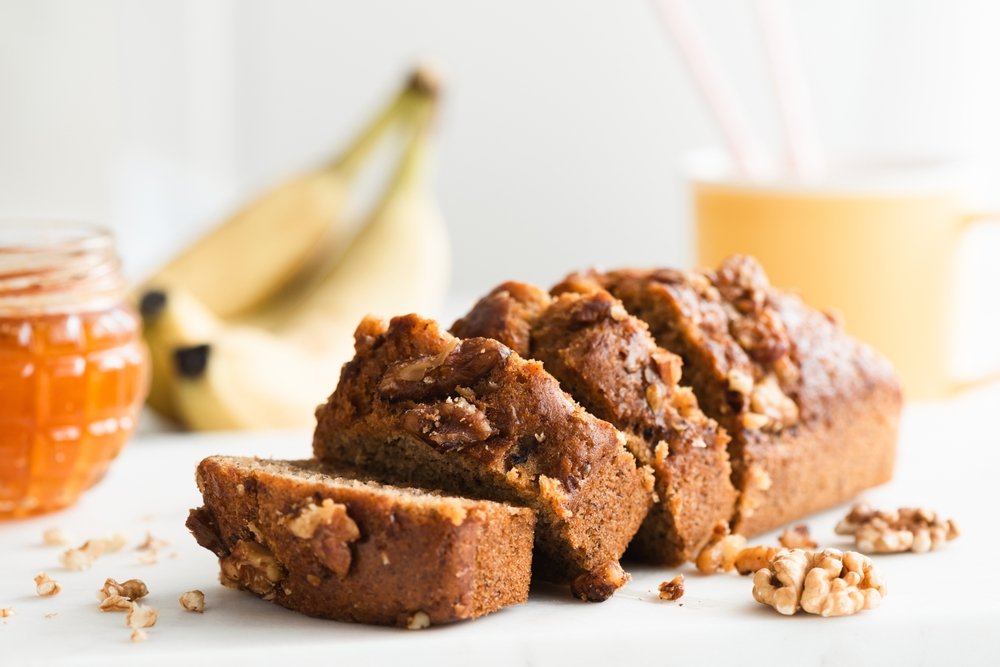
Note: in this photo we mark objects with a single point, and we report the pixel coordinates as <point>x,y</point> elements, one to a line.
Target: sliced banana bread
<point>813,413</point>
<point>607,360</point>
<point>419,406</point>
<point>350,549</point>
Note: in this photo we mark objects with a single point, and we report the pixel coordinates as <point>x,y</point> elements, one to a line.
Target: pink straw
<point>719,94</point>
<point>804,154</point>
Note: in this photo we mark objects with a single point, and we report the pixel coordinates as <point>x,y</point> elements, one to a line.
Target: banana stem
<point>420,87</point>
<point>414,162</point>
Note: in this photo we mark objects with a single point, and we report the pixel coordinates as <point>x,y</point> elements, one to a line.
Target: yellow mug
<point>875,242</point>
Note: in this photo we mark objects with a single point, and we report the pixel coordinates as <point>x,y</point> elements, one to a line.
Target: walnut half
<point>827,583</point>
<point>906,529</point>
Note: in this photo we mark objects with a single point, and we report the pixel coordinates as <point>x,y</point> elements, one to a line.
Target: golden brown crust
<point>607,360</point>
<point>417,405</point>
<point>813,413</point>
<point>350,550</point>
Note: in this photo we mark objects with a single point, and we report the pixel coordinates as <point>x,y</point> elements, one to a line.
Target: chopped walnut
<point>906,529</point>
<point>252,566</point>
<point>331,531</point>
<point>740,381</point>
<point>84,556</point>
<point>769,401</point>
<point>751,559</point>
<point>754,421</point>
<point>418,621</point>
<point>673,589</point>
<point>719,554</point>
<point>311,516</point>
<point>599,585</point>
<point>131,589</point>
<point>553,491</point>
<point>141,616</point>
<point>797,537</point>
<point>45,586</point>
<point>139,635</point>
<point>55,537</point>
<point>449,424</point>
<point>193,601</point>
<point>115,603</point>
<point>6,612</point>
<point>827,583</point>
<point>756,483</point>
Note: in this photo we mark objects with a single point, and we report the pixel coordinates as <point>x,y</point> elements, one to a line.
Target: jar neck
<point>50,267</point>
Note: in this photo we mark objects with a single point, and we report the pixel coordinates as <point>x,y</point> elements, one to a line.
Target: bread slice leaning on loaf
<point>419,406</point>
<point>333,545</point>
<point>607,360</point>
<point>813,413</point>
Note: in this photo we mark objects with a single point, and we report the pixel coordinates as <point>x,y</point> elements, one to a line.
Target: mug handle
<point>957,386</point>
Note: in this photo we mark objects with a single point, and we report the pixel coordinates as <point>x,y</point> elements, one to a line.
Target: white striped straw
<point>803,152</point>
<point>718,93</point>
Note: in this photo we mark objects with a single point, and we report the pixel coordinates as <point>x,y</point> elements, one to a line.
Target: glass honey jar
<point>74,371</point>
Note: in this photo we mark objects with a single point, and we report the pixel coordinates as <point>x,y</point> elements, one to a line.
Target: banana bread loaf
<point>419,406</point>
<point>607,360</point>
<point>813,414</point>
<point>350,549</point>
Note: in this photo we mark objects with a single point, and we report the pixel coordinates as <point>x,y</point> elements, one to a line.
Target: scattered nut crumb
<point>797,537</point>
<point>6,612</point>
<point>418,621</point>
<point>147,558</point>
<point>46,586</point>
<point>141,616</point>
<point>719,555</point>
<point>132,589</point>
<point>55,537</point>
<point>193,601</point>
<point>906,529</point>
<point>673,589</point>
<point>84,556</point>
<point>50,615</point>
<point>139,635</point>
<point>827,583</point>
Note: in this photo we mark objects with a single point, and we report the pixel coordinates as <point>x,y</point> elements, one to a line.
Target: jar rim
<point>53,265</point>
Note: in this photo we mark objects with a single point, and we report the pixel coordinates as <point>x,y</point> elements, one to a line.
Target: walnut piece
<point>140,616</point>
<point>673,589</point>
<point>827,583</point>
<point>6,612</point>
<point>797,537</point>
<point>252,566</point>
<point>906,529</point>
<point>599,585</point>
<point>751,559</point>
<point>719,554</point>
<point>131,589</point>
<point>55,537</point>
<point>45,586</point>
<point>436,376</point>
<point>139,635</point>
<point>418,621</point>
<point>115,603</point>
<point>449,424</point>
<point>193,601</point>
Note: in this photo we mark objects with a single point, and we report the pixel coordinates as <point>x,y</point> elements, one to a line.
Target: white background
<point>564,126</point>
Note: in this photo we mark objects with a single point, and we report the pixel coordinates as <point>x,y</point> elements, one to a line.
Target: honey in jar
<point>73,367</point>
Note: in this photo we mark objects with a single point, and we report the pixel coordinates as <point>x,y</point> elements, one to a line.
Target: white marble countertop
<point>941,607</point>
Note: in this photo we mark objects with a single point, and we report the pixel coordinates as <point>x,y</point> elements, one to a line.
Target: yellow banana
<point>398,263</point>
<point>250,257</point>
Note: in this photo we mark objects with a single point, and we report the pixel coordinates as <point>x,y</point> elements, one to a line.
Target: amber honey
<point>73,368</point>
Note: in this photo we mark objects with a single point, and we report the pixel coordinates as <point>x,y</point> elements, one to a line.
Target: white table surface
<point>942,607</point>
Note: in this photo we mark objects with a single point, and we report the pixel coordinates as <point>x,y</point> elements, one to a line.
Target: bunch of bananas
<point>248,328</point>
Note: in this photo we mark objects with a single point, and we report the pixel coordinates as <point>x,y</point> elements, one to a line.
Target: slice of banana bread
<point>350,549</point>
<point>607,360</point>
<point>813,414</point>
<point>419,406</point>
